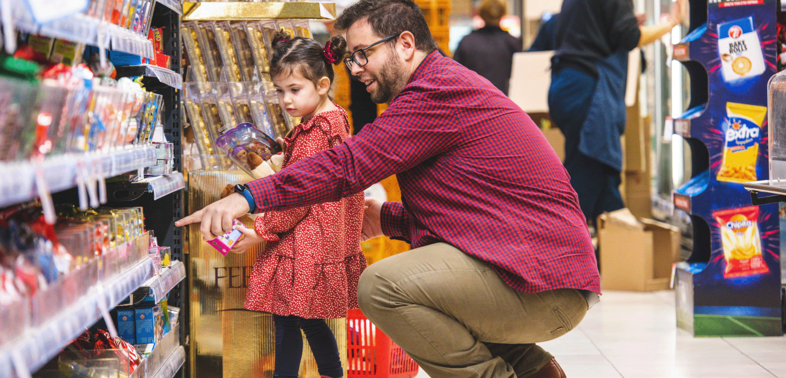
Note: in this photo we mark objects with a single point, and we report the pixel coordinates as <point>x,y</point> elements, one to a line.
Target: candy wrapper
<point>249,149</point>
<point>225,242</point>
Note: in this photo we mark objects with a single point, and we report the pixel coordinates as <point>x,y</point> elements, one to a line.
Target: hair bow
<point>328,53</point>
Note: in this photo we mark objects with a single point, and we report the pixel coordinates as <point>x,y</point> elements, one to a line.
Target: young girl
<point>311,266</point>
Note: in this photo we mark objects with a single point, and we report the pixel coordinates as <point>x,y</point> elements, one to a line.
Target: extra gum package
<point>741,148</point>
<point>741,241</point>
<point>225,242</point>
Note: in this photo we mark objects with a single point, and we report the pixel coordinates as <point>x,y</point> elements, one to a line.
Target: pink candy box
<point>225,242</point>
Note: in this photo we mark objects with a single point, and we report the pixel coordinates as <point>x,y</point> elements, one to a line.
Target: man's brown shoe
<point>551,370</point>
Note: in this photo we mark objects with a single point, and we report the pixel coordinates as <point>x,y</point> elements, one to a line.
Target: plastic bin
<point>370,353</point>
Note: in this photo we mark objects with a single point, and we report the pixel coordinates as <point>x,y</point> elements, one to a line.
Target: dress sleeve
<point>304,144</point>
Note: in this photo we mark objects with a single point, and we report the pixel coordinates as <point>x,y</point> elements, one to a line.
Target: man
<point>502,257</point>
<point>489,50</point>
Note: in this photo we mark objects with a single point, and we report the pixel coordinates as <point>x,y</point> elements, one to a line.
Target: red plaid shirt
<point>475,172</point>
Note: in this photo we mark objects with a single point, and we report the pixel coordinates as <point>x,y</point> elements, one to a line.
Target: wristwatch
<point>243,189</point>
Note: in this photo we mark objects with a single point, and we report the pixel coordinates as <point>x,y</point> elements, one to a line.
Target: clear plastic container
<point>776,98</point>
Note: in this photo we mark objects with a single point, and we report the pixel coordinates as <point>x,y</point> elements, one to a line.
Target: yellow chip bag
<point>742,142</point>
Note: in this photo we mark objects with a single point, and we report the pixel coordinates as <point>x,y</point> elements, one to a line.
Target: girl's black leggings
<point>289,346</point>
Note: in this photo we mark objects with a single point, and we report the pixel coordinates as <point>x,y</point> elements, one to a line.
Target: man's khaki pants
<point>456,317</point>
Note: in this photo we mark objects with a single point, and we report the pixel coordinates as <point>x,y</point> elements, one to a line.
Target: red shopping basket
<point>370,353</point>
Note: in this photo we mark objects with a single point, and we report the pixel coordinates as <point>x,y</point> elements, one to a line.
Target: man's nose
<point>356,70</point>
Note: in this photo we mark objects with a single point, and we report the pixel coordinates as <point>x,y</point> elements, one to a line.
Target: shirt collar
<point>423,66</point>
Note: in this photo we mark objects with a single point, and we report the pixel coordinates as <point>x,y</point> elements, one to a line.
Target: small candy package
<point>225,242</point>
<point>249,149</point>
<point>740,50</point>
<point>741,149</point>
<point>741,241</point>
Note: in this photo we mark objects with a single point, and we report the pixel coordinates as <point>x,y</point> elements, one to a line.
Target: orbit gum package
<point>741,241</point>
<point>741,148</point>
<point>740,50</point>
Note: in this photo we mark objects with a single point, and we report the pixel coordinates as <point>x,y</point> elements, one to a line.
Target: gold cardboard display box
<point>227,340</point>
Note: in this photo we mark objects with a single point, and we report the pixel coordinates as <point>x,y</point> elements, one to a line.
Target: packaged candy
<point>287,27</point>
<point>244,52</point>
<point>302,29</point>
<point>193,48</point>
<point>211,51</point>
<point>260,36</point>
<point>225,242</point>
<point>740,49</point>
<point>249,149</point>
<point>741,149</point>
<point>741,241</point>
<point>222,34</point>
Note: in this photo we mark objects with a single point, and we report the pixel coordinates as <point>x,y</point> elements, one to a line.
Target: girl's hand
<point>249,240</point>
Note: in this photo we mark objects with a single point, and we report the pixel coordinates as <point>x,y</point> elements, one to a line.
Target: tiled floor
<point>633,335</point>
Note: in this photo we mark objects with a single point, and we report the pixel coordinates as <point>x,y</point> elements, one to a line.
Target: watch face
<point>240,188</point>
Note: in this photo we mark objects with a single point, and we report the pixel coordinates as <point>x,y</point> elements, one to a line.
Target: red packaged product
<point>741,241</point>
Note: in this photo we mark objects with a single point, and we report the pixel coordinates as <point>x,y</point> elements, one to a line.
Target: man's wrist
<point>244,191</point>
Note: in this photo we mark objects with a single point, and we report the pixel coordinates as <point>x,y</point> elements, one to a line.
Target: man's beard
<point>390,82</point>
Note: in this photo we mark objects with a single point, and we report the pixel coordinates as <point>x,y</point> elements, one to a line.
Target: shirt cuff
<point>395,220</point>
<point>264,193</point>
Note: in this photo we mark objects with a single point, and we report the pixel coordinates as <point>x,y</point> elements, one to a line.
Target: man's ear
<point>323,86</point>
<point>406,45</point>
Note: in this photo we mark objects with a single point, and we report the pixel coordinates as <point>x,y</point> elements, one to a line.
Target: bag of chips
<point>741,149</point>
<point>741,241</point>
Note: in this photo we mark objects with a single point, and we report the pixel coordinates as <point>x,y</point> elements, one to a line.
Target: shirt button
<point>265,202</point>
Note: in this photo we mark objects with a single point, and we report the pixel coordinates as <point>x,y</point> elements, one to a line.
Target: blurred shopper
<point>587,94</point>
<point>489,50</point>
<point>546,40</point>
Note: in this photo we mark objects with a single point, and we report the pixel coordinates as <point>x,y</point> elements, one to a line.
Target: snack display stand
<point>730,284</point>
<point>94,175</point>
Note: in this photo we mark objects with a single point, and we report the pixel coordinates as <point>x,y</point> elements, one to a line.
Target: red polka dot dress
<point>313,259</point>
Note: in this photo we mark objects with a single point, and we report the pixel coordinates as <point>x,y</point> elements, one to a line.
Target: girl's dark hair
<point>306,56</point>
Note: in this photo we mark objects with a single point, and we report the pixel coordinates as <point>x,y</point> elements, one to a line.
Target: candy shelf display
<point>730,284</point>
<point>72,138</point>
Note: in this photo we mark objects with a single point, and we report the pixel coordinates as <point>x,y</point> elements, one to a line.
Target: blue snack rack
<point>730,54</point>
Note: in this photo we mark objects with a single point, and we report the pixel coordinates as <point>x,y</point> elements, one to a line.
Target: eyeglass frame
<point>350,60</point>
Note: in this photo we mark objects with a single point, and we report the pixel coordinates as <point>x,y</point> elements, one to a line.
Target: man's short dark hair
<point>390,17</point>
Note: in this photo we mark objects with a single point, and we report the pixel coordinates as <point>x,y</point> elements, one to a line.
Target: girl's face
<point>298,95</point>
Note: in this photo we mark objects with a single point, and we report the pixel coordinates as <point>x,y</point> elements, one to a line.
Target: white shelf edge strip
<point>166,185</point>
<point>172,365</point>
<point>17,180</point>
<point>160,286</point>
<point>166,76</point>
<point>173,5</point>
<point>41,344</point>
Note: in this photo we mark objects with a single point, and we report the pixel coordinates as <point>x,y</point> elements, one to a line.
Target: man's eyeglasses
<point>359,57</point>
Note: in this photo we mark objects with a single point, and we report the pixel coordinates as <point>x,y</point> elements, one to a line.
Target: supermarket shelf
<point>176,360</point>
<point>236,11</point>
<point>41,344</point>
<point>88,30</point>
<point>164,185</point>
<point>129,42</point>
<point>160,363</point>
<point>173,5</point>
<point>17,180</point>
<point>165,76</point>
<point>160,286</point>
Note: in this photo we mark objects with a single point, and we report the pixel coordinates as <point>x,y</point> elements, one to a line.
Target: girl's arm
<point>306,143</point>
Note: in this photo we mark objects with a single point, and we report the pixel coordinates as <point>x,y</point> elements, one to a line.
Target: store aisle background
<point>634,335</point>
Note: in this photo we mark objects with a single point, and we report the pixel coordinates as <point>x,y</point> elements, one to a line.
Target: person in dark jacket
<point>587,94</point>
<point>489,50</point>
<point>546,39</point>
